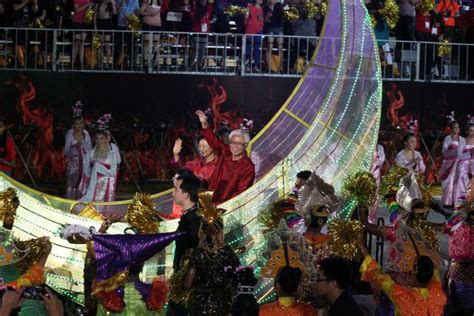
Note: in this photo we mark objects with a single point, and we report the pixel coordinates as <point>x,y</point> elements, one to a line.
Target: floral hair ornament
<point>413,126</point>
<point>102,123</point>
<point>77,109</point>
<point>451,117</point>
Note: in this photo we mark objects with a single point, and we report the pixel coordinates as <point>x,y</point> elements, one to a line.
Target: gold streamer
<point>343,238</point>
<point>96,41</point>
<point>362,187</point>
<point>35,249</point>
<point>141,214</point>
<point>311,9</point>
<point>207,209</point>
<point>234,10</point>
<point>391,13</point>
<point>323,7</point>
<point>178,294</point>
<point>373,20</point>
<point>113,283</point>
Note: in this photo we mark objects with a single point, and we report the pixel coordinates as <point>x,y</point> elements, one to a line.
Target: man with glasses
<point>334,278</point>
<point>235,172</point>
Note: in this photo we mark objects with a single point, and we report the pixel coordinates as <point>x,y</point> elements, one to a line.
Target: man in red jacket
<point>235,172</point>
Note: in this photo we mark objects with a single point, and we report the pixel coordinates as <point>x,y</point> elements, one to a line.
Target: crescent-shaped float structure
<point>329,124</point>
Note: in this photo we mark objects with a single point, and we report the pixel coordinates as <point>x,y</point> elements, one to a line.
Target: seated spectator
<point>203,167</point>
<point>334,278</point>
<point>234,172</point>
<point>286,284</point>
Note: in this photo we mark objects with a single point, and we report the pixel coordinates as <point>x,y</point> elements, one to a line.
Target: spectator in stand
<point>103,20</point>
<point>424,29</point>
<point>254,30</point>
<point>7,150</point>
<point>25,12</point>
<point>303,48</point>
<point>449,10</point>
<point>273,12</point>
<point>125,40</point>
<point>151,12</point>
<point>203,167</point>
<point>406,23</point>
<point>235,172</point>
<point>80,9</point>
<point>201,16</point>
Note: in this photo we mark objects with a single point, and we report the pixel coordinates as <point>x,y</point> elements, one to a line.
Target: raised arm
<point>211,138</point>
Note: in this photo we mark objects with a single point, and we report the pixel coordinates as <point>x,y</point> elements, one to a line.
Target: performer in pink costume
<point>103,164</point>
<point>376,170</point>
<point>450,160</point>
<point>409,158</point>
<point>465,166</point>
<point>77,147</point>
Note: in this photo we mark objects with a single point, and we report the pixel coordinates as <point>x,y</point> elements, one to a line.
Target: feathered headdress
<point>102,123</point>
<point>77,110</point>
<point>211,231</point>
<point>141,214</point>
<point>451,117</point>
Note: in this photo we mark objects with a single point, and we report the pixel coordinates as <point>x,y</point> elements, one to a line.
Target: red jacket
<point>203,24</point>
<point>230,177</point>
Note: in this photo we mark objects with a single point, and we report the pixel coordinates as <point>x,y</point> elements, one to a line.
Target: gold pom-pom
<point>96,41</point>
<point>425,6</point>
<point>141,214</point>
<point>373,20</point>
<point>344,236</point>
<point>7,204</point>
<point>35,249</point>
<point>291,14</point>
<point>361,186</point>
<point>271,216</point>
<point>391,13</point>
<point>444,49</point>
<point>234,10</point>
<point>178,294</point>
<point>133,23</point>
<point>89,16</point>
<point>323,7</point>
<point>311,9</point>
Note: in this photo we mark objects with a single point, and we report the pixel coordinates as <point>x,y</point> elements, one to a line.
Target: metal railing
<point>212,53</point>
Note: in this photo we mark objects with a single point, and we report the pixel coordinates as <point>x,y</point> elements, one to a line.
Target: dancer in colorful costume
<point>211,264</point>
<point>451,145</point>
<point>376,171</point>
<point>465,166</point>
<point>461,252</point>
<point>101,177</point>
<point>77,147</point>
<point>424,297</point>
<point>22,263</point>
<point>409,158</point>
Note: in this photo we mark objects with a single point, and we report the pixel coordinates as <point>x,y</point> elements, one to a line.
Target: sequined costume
<point>76,152</point>
<point>461,270</point>
<point>211,293</point>
<point>287,306</point>
<point>407,300</point>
